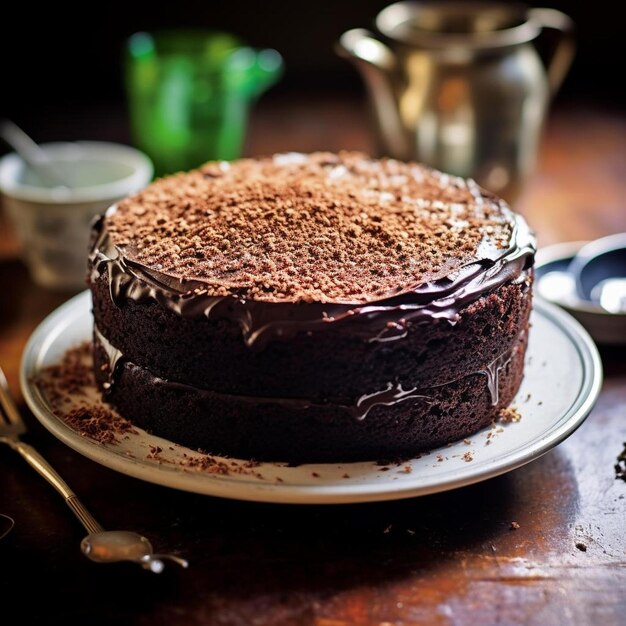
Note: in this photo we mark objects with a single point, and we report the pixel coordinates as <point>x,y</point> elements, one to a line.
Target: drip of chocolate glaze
<point>492,372</point>
<point>392,394</point>
<point>114,355</point>
<point>261,322</point>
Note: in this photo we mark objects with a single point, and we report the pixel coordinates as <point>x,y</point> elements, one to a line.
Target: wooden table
<point>450,558</point>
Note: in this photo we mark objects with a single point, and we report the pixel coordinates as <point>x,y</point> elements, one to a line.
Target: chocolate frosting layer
<point>261,322</point>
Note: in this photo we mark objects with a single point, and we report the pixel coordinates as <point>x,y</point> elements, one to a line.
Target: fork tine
<point>7,403</point>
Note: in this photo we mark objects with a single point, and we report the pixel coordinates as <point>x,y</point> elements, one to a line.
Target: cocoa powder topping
<point>322,227</point>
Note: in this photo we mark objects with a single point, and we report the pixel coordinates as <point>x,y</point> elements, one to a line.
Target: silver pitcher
<point>461,86</point>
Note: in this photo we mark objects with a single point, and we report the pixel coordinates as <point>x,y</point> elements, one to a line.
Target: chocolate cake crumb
<point>620,466</point>
<point>581,546</point>
<point>468,456</point>
<point>467,442</point>
<point>98,423</point>
<point>509,415</point>
<point>304,227</point>
<point>68,377</point>
<point>514,526</point>
<point>206,463</point>
<point>67,383</point>
<point>214,465</point>
<point>154,452</point>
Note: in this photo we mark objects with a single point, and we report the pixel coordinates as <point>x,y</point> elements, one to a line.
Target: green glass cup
<point>190,93</point>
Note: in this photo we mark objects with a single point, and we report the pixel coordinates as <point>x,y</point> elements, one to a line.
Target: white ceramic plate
<point>562,381</point>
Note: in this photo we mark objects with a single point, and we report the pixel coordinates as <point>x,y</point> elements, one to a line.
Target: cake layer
<point>341,361</point>
<point>401,424</point>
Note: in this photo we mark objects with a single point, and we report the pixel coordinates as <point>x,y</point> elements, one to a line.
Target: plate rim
<point>336,493</point>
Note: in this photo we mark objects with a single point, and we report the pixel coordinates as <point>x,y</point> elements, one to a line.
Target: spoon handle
<point>11,436</point>
<point>32,153</point>
<point>44,469</point>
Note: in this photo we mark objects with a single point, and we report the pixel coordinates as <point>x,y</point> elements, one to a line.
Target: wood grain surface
<point>450,559</point>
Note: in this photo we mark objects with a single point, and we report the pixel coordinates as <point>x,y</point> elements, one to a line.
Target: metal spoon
<point>123,545</point>
<point>32,154</point>
<point>100,545</point>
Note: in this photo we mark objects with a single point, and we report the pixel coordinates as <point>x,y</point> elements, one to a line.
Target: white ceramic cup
<point>53,224</point>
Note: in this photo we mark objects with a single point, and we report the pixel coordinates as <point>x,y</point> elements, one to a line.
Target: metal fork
<point>100,545</point>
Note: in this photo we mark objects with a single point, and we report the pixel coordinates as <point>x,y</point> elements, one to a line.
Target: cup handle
<point>558,61</point>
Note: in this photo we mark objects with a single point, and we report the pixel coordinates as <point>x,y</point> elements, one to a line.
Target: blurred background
<point>66,82</point>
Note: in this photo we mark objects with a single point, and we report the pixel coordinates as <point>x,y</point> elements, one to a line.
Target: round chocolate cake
<point>323,307</point>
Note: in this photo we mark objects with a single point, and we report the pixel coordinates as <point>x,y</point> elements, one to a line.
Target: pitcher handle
<point>559,60</point>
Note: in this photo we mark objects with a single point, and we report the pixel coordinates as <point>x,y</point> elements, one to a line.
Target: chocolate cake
<point>323,307</point>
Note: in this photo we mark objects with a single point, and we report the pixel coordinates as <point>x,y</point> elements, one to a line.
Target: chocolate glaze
<point>392,394</point>
<point>492,372</point>
<point>114,355</point>
<point>383,320</point>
